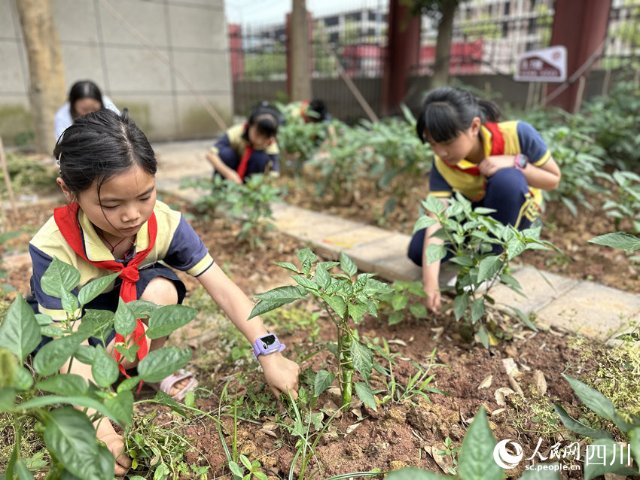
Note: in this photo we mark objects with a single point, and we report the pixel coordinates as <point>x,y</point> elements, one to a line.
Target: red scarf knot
<point>130,274</point>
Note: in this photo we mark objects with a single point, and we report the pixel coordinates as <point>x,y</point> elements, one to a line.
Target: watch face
<point>268,340</point>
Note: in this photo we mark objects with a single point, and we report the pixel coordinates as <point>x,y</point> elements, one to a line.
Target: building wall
<point>161,59</point>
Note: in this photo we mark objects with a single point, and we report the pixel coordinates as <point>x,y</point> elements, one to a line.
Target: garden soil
<point>418,430</point>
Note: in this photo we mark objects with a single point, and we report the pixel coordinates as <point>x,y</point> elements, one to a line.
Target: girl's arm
<point>281,373</point>
<point>545,177</point>
<point>222,168</point>
<point>431,271</point>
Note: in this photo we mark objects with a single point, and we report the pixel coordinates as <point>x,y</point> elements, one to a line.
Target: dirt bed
<point>420,429</point>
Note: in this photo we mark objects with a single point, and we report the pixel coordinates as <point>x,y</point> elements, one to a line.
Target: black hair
<point>448,111</point>
<point>317,110</point>
<point>83,89</point>
<point>266,118</point>
<point>100,145</point>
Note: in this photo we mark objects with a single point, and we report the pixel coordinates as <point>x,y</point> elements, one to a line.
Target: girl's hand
<point>433,298</point>
<point>280,373</point>
<point>490,165</point>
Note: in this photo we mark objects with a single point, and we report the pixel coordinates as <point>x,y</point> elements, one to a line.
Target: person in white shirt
<point>84,97</point>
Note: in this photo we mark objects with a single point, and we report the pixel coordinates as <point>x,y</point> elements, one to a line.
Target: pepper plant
<point>581,162</point>
<point>482,248</point>
<point>346,298</point>
<point>625,201</point>
<point>44,389</point>
<point>250,203</point>
<point>403,295</point>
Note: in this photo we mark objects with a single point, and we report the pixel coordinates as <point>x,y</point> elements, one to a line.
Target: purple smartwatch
<point>267,344</point>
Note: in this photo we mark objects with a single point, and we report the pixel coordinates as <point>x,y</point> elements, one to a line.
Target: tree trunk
<point>301,77</point>
<point>443,44</point>
<point>46,77</point>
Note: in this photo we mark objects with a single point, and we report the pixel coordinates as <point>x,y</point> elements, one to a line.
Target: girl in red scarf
<point>113,223</point>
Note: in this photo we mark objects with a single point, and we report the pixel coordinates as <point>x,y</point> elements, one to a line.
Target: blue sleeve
<point>186,249</point>
<point>437,184</point>
<point>532,144</point>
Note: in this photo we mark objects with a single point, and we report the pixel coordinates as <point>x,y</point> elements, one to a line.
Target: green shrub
<point>472,237</point>
<point>39,391</point>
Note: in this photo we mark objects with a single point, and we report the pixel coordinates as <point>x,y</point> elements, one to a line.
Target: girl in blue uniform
<point>113,223</point>
<point>502,166</point>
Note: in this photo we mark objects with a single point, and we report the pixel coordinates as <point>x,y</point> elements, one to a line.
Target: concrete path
<point>586,308</point>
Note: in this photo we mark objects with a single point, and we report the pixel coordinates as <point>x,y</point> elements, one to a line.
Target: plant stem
<point>346,364</point>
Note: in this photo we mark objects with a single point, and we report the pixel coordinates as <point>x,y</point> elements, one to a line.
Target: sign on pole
<point>546,65</point>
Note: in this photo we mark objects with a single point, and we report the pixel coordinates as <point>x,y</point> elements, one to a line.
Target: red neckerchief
<point>67,221</point>
<point>244,162</point>
<point>497,148</point>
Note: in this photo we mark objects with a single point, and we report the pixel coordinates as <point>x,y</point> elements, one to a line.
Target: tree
<point>300,68</point>
<point>46,77</point>
<point>443,11</point>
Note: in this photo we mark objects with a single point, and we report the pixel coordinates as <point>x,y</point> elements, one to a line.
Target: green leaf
<point>357,311</point>
<point>606,456</point>
<point>362,358</point>
<point>425,221</point>
<point>96,323</point>
<point>433,204</point>
<point>576,426</point>
<point>399,301</point>
<point>54,354</point>
<point>347,265</point>
<point>43,319</point>
<point>128,384</point>
<point>477,309</point>
<point>364,393</point>
<point>288,265</point>
<point>307,258</point>
<point>322,381</point>
<point>20,332</point>
<point>70,436</point>
<point>624,241</point>
<point>59,277</point>
<point>7,399</point>
<point>596,402</point>
<point>85,354</point>
<point>159,364</point>
<point>64,384</point>
<point>94,288</point>
<point>104,466</point>
<point>634,441</point>
<point>235,469</point>
<point>395,318</point>
<point>322,278</point>
<point>305,282</point>
<point>69,302</point>
<point>460,305</point>
<point>337,304</point>
<point>476,457</point>
<point>104,368</point>
<point>489,267</point>
<point>435,252</point>
<point>418,310</point>
<point>124,321</point>
<point>23,379</point>
<point>22,471</point>
<point>276,298</point>
<point>121,405</point>
<point>168,318</point>
<point>38,402</point>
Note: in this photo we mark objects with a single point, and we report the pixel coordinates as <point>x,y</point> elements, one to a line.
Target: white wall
<point>153,56</point>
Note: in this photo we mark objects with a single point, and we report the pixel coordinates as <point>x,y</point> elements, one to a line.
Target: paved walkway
<point>583,307</point>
